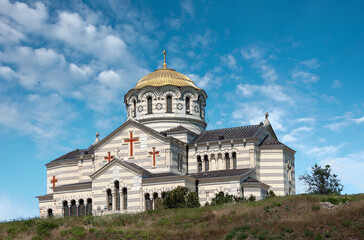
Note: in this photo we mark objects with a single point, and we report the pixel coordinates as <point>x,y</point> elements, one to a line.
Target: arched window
<point>187,105</point>
<point>150,105</point>
<point>200,108</point>
<point>117,195</point>
<point>148,202</point>
<point>66,210</point>
<point>155,196</point>
<point>227,159</point>
<point>180,156</point>
<point>169,104</point>
<point>50,213</point>
<point>134,108</point>
<point>89,207</point>
<point>234,160</point>
<point>206,163</point>
<point>81,208</point>
<point>163,195</point>
<point>125,198</point>
<point>73,208</point>
<point>109,199</point>
<point>199,164</point>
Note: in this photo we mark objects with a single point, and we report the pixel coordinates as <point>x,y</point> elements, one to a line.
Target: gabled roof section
<point>233,133</point>
<point>268,140</point>
<point>273,142</point>
<point>222,173</point>
<point>73,155</point>
<point>134,123</point>
<point>251,180</point>
<point>178,129</point>
<point>128,165</point>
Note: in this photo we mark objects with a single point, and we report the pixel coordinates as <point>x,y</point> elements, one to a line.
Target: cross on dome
<point>164,63</point>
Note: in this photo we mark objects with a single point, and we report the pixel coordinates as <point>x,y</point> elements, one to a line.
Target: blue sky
<point>64,68</point>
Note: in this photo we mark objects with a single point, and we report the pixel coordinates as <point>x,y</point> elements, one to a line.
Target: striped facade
<point>162,145</point>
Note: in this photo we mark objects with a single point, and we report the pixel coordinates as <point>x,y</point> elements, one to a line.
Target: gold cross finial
<point>164,64</point>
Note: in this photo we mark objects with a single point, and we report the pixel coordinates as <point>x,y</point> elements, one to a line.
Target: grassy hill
<point>293,217</point>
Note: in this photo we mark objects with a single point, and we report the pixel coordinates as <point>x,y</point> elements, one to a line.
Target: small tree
<point>322,181</point>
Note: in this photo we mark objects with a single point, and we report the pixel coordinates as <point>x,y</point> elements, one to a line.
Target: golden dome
<point>163,77</point>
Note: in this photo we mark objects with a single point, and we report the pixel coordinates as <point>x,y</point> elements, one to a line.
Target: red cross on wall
<point>131,141</point>
<point>109,158</point>
<point>154,153</point>
<point>54,180</point>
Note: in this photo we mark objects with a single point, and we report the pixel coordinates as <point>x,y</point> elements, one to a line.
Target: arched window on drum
<point>169,104</point>
<point>150,105</point>
<point>188,106</point>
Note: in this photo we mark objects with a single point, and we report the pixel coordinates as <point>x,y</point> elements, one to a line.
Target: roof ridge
<point>253,125</point>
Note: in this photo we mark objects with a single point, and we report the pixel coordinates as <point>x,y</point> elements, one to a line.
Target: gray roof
<point>268,140</point>
<point>73,154</point>
<point>220,173</point>
<point>178,129</point>
<point>229,133</point>
<point>251,180</point>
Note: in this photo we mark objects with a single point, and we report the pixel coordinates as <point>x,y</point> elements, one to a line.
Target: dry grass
<point>295,217</point>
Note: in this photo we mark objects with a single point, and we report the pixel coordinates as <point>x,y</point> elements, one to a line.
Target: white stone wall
<point>208,190</point>
<point>117,147</point>
<point>160,119</point>
<point>128,179</point>
<point>245,157</point>
<point>272,170</point>
<point>65,174</point>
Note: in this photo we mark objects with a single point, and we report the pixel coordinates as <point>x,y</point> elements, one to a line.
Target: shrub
<point>36,237</point>
<point>44,227</point>
<point>347,223</point>
<point>176,198</point>
<point>159,203</point>
<point>271,194</point>
<point>192,200</point>
<point>251,198</point>
<point>78,231</point>
<point>221,198</point>
<point>308,233</point>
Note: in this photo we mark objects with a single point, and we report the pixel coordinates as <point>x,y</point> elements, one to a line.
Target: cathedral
<point>164,144</point>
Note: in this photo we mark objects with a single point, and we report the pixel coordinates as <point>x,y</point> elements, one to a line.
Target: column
<point>113,194</point>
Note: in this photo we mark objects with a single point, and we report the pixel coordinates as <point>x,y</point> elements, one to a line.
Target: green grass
<point>292,217</point>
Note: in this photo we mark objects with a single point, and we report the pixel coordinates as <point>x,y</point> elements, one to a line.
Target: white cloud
<point>204,81</point>
<point>230,61</point>
<point>272,91</point>
<point>110,79</point>
<point>253,52</point>
<point>256,54</point>
<point>336,84</point>
<point>188,8</point>
<point>323,151</point>
<point>294,135</point>
<point>32,19</point>
<point>312,63</point>
<point>348,120</point>
<point>40,117</point>
<point>8,33</point>
<point>350,169</point>
<point>300,120</point>
<point>305,77</point>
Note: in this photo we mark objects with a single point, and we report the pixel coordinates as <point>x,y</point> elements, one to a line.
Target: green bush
<point>176,198</point>
<point>271,194</point>
<point>308,233</point>
<point>251,198</point>
<point>78,231</point>
<point>159,204</point>
<point>43,227</point>
<point>192,200</point>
